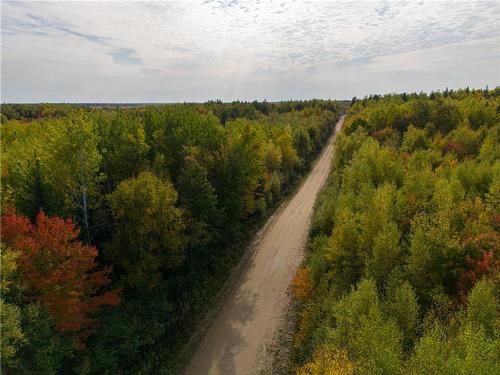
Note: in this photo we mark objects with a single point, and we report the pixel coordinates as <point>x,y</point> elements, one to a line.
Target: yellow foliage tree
<point>327,361</point>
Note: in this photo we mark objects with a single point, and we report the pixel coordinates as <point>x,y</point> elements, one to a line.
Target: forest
<point>120,225</point>
<point>402,272</point>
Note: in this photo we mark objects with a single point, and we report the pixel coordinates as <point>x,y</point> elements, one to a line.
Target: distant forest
<point>402,274</point>
<point>120,225</point>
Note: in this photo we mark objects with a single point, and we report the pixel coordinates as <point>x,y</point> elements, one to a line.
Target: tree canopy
<point>169,194</point>
<point>404,259</point>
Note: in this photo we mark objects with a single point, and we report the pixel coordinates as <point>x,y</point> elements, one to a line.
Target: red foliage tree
<point>454,147</point>
<point>480,263</point>
<point>58,271</point>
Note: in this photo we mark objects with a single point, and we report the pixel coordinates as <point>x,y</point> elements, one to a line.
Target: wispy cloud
<point>221,4</point>
<point>40,25</point>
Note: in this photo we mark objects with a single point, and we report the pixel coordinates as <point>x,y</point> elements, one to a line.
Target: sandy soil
<point>256,304</point>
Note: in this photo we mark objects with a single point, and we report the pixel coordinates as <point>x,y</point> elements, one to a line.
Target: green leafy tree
<point>48,348</point>
<point>123,146</point>
<point>197,196</point>
<point>12,336</point>
<point>77,161</point>
<point>148,229</point>
<point>401,305</point>
<point>385,254</point>
<point>414,139</point>
<point>239,168</point>
<point>373,342</point>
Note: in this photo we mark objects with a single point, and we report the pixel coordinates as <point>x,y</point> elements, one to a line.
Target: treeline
<point>403,271</point>
<point>119,226</point>
<point>224,111</point>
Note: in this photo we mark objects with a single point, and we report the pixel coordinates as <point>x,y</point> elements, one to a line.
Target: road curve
<point>254,309</point>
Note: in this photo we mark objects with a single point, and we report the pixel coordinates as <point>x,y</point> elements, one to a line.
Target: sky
<point>176,51</point>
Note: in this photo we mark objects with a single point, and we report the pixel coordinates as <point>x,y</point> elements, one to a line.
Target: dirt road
<point>257,302</point>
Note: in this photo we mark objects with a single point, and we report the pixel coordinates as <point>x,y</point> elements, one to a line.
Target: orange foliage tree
<point>301,284</point>
<point>58,271</point>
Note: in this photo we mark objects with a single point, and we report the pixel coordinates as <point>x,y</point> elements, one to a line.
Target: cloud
<point>383,8</point>
<point>125,56</point>
<point>245,48</point>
